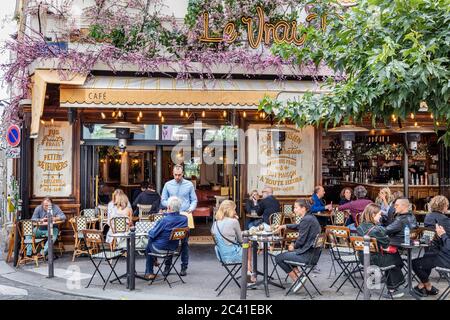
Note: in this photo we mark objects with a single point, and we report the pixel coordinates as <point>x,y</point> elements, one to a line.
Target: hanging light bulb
<point>431,116</point>
<point>42,121</point>
<point>415,124</point>
<point>181,113</point>
<point>159,114</point>
<point>187,115</point>
<point>113,114</point>
<point>140,114</point>
<point>224,113</point>
<point>162,118</point>
<point>119,114</point>
<point>437,123</point>
<point>412,116</point>
<point>244,114</point>
<point>138,119</point>
<point>203,113</point>
<point>103,115</point>
<point>52,121</point>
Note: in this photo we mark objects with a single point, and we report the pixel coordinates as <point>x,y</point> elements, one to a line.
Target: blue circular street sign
<point>13,135</point>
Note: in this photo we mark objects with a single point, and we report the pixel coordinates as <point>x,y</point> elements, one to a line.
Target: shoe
<point>420,292</point>
<point>316,270</point>
<point>396,294</point>
<point>166,271</point>
<point>299,284</point>
<point>433,292</point>
<point>183,272</point>
<point>156,263</point>
<point>150,276</point>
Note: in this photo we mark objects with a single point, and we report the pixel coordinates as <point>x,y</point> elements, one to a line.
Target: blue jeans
<point>42,234</point>
<point>150,259</point>
<point>254,223</point>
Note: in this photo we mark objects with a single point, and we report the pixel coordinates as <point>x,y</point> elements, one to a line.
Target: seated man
<point>40,214</point>
<point>302,250</point>
<point>422,266</point>
<point>158,237</point>
<point>148,197</point>
<point>318,204</point>
<point>396,230</point>
<point>267,205</point>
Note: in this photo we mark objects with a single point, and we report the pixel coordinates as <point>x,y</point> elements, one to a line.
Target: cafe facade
<point>72,149</point>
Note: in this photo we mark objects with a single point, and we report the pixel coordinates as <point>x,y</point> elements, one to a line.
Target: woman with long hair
<point>370,226</point>
<point>228,235</point>
<point>385,200</point>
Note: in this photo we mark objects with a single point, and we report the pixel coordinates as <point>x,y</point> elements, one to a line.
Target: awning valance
<point>132,92</point>
<point>40,80</point>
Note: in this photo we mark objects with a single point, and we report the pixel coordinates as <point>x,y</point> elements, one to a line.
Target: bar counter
<point>416,192</point>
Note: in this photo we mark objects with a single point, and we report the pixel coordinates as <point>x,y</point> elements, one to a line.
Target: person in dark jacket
<point>267,206</point>
<point>396,230</point>
<point>346,196</point>
<point>438,207</point>
<point>422,266</point>
<point>137,192</point>
<point>303,248</point>
<point>370,226</point>
<point>158,236</point>
<point>252,205</point>
<point>148,197</point>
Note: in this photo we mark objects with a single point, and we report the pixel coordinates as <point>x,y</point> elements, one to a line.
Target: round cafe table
<point>265,239</point>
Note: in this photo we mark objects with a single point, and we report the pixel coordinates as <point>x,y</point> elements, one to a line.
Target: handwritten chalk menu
<point>53,160</point>
<point>289,172</point>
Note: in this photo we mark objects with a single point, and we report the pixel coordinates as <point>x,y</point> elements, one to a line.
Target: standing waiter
<point>185,191</point>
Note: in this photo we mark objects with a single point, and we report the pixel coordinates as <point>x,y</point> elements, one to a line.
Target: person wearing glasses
<point>185,191</point>
<point>267,205</point>
<point>40,214</point>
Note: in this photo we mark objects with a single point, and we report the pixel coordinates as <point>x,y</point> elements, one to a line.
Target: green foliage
<point>387,56</point>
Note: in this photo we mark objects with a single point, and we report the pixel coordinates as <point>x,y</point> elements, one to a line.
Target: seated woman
<point>346,196</point>
<point>252,205</point>
<point>119,209</point>
<point>385,200</point>
<point>370,226</point>
<point>302,249</point>
<point>422,266</point>
<point>227,232</point>
<point>356,206</point>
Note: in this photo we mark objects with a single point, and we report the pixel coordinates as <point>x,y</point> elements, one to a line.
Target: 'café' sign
<point>53,160</point>
<point>281,32</point>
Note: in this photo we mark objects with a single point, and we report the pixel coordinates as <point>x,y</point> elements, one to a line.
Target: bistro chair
<point>155,217</point>
<point>118,225</point>
<point>78,225</point>
<point>177,234</point>
<point>445,273</point>
<point>306,268</point>
<point>103,215</point>
<point>342,254</point>
<point>358,217</point>
<point>91,216</point>
<point>339,218</point>
<point>144,211</point>
<point>232,269</point>
<point>425,235</point>
<point>288,212</point>
<point>28,237</point>
<point>276,219</point>
<point>343,244</point>
<point>358,246</point>
<point>95,242</point>
<point>142,229</point>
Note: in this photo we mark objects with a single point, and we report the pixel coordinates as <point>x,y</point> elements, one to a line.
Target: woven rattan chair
<point>28,238</point>
<point>78,225</point>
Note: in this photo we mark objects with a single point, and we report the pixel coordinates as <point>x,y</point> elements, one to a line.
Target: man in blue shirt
<point>185,191</point>
<point>158,237</point>
<point>40,214</point>
<point>318,204</point>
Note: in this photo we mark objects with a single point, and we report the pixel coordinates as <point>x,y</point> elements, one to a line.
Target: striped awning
<point>135,92</point>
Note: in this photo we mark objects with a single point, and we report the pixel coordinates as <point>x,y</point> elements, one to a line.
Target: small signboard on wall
<point>52,163</point>
<point>12,153</point>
